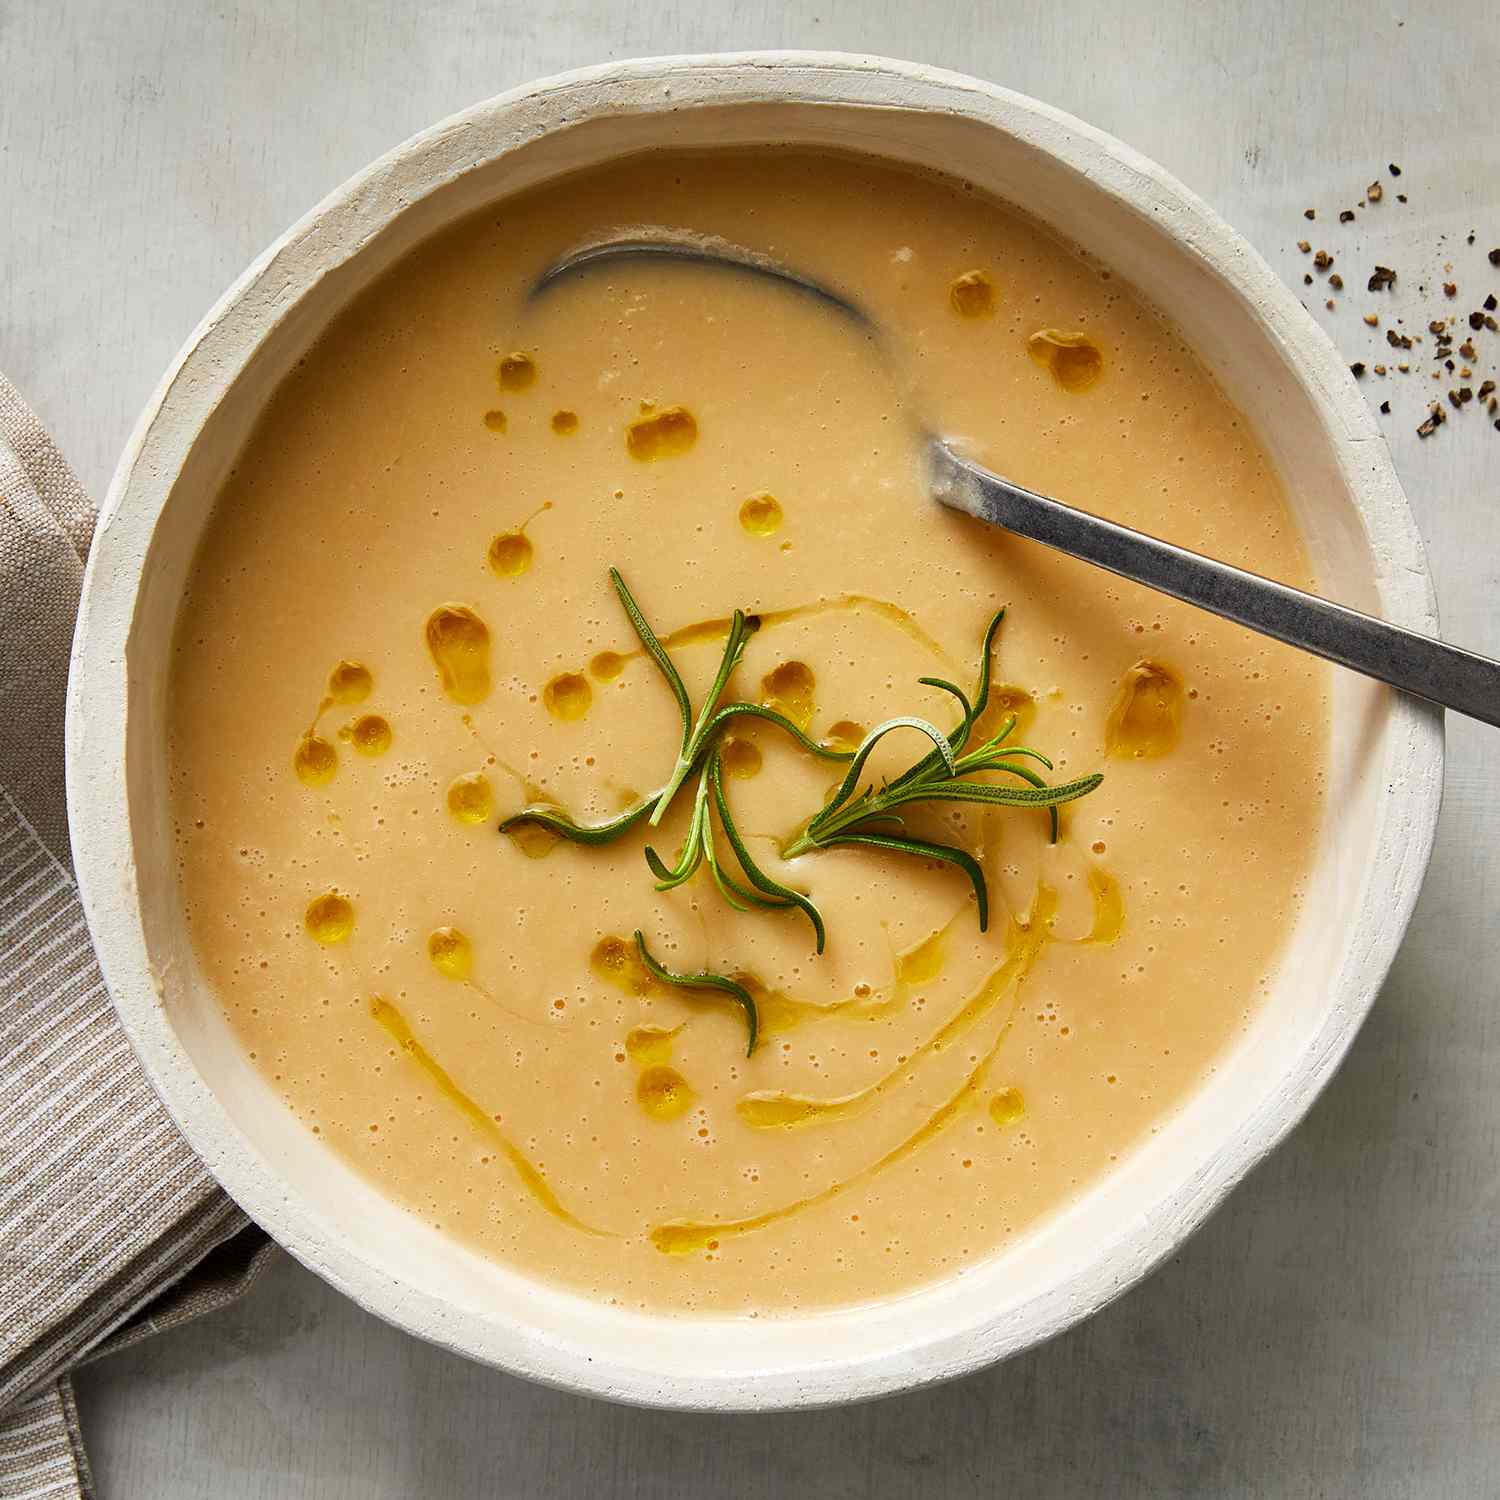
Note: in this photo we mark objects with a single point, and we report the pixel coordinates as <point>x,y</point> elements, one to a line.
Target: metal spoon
<point>1406,659</point>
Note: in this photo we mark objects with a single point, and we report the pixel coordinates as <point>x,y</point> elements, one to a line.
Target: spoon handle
<point>1415,663</point>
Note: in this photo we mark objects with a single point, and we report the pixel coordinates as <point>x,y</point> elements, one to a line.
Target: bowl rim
<point>98,703</point>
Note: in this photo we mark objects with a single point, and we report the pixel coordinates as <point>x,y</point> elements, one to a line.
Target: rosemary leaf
<point>559,822</point>
<point>856,768</point>
<point>705,981</point>
<point>731,711</point>
<point>655,650</point>
<point>695,736</point>
<point>753,873</point>
<point>921,847</point>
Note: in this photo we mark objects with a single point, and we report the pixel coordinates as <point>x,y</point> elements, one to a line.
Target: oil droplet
<point>530,1175</point>
<point>616,962</point>
<point>740,758</point>
<point>846,735</point>
<point>329,919</point>
<point>459,642</point>
<point>760,515</point>
<point>1146,717</point>
<point>683,1238</point>
<point>533,840</point>
<point>664,1093</point>
<point>922,964</point>
<point>972,295</point>
<point>1007,1107</point>
<point>495,421</point>
<point>646,1045</point>
<point>607,665</point>
<point>1109,908</point>
<point>663,434</point>
<point>350,682</point>
<point>789,689</point>
<point>568,696</point>
<point>564,423</point>
<point>451,953</point>
<point>1006,698</point>
<point>516,372</point>
<point>370,734</point>
<point>470,798</point>
<point>1074,358</point>
<point>511,553</point>
<point>315,760</point>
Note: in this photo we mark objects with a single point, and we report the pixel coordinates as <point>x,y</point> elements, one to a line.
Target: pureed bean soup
<point>401,630</point>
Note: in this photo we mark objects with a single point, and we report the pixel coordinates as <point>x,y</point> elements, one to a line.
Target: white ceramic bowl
<point>1385,771</point>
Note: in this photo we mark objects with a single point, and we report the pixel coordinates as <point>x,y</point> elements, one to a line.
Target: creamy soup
<point>401,630</point>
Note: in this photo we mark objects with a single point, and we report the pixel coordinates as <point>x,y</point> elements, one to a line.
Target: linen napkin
<point>111,1229</point>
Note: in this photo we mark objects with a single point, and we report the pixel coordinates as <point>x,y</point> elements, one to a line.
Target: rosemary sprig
<point>694,730</point>
<point>705,981</point>
<point>862,817</point>
<point>557,821</point>
<point>699,732</point>
<point>772,892</point>
<point>859,817</point>
<point>698,848</point>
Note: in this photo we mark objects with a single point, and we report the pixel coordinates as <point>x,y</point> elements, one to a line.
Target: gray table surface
<point>1333,1330</point>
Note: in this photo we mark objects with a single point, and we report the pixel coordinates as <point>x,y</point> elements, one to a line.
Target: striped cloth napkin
<point>111,1229</point>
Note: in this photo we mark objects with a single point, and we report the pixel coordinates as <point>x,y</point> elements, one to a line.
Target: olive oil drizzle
<point>778,1110</point>
<point>530,1175</point>
<point>716,627</point>
<point>683,1236</point>
<point>911,968</point>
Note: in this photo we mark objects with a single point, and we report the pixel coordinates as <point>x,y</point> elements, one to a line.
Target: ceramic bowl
<point>1385,771</point>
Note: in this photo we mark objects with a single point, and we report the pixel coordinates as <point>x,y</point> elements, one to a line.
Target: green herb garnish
<point>698,731</point>
<point>705,981</point>
<point>855,817</point>
<point>848,818</point>
<point>698,848</point>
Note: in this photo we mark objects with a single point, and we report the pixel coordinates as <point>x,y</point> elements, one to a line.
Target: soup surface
<point>401,630</point>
